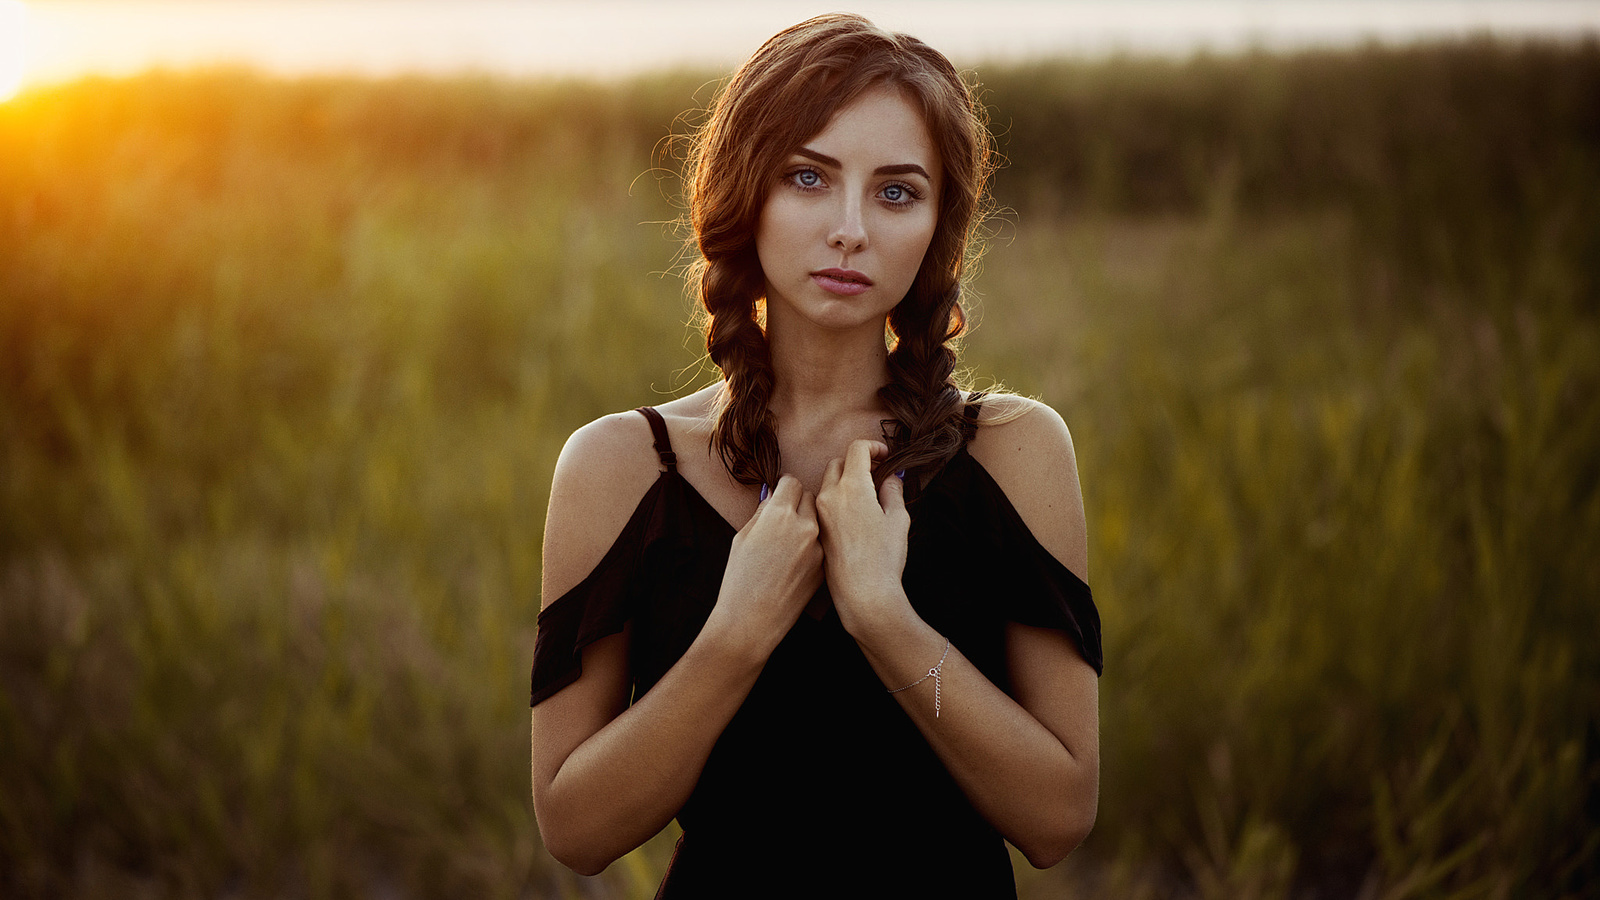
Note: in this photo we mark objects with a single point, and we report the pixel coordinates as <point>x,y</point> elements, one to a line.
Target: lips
<point>844,282</point>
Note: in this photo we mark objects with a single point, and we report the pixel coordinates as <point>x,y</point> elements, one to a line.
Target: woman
<point>829,613</point>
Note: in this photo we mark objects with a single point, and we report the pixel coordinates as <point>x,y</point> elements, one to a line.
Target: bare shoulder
<point>1019,425</point>
<point>691,418</point>
<point>605,469</point>
<point>1026,447</point>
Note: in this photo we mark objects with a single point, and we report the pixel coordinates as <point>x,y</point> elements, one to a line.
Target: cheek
<point>764,237</point>
<point>916,253</point>
<point>917,240</point>
<point>777,226</point>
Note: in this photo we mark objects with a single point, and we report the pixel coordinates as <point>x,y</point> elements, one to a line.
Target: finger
<point>892,494</point>
<point>808,506</point>
<point>858,459</point>
<point>787,492</point>
<point>751,522</point>
<point>832,474</point>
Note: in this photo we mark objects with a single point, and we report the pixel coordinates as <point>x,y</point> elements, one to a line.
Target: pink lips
<point>844,282</point>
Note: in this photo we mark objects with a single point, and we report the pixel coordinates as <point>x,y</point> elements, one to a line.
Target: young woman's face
<point>844,229</point>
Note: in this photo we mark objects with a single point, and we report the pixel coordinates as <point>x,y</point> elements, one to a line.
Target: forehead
<point>883,126</point>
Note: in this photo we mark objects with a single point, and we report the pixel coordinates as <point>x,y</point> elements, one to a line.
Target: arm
<point>1030,765</point>
<point>607,776</point>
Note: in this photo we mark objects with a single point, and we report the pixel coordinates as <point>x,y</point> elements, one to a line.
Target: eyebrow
<point>900,169</point>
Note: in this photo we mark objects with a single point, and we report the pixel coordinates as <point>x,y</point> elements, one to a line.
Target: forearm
<point>629,779</point>
<point>1020,776</point>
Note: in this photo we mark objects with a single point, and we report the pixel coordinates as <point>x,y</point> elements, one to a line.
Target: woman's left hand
<point>863,538</point>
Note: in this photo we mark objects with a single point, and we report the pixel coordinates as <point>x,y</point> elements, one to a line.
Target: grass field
<point>284,368</point>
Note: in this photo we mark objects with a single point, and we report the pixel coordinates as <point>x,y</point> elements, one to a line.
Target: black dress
<point>821,785</point>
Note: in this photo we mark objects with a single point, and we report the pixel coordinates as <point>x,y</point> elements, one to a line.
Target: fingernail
<point>901,474</point>
<point>765,493</point>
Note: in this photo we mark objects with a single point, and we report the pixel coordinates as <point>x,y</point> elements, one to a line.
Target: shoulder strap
<point>658,425</point>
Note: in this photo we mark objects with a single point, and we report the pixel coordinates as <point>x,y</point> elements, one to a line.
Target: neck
<point>826,375</point>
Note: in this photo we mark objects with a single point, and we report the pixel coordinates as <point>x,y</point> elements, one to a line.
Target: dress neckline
<point>673,473</point>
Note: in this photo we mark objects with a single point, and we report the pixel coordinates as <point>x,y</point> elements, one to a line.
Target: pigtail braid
<point>927,426</point>
<point>746,430</point>
<point>781,97</point>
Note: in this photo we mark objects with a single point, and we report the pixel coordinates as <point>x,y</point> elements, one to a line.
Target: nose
<point>849,232</point>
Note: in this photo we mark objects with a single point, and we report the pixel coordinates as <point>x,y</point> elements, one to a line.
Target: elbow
<point>1052,844</point>
<point>588,867</point>
<point>575,856</point>
<point>567,844</point>
<point>1049,851</point>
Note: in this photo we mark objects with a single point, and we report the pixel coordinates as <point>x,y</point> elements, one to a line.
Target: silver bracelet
<point>936,674</point>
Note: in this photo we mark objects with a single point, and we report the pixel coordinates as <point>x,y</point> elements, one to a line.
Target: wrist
<point>885,615</point>
<point>736,642</point>
<point>902,655</point>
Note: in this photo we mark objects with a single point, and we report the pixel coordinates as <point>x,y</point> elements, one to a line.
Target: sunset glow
<point>68,39</point>
<point>13,47</point>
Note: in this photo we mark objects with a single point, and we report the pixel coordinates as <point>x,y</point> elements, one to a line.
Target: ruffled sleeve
<point>597,607</point>
<point>1037,589</point>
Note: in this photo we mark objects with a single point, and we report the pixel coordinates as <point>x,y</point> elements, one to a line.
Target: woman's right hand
<point>774,568</point>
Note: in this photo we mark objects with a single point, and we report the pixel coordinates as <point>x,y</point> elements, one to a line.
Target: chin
<point>848,318</point>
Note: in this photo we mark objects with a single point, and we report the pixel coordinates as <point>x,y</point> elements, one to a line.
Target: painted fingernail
<point>765,493</point>
<point>901,474</point>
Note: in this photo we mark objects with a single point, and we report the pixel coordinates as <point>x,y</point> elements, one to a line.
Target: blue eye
<point>805,179</point>
<point>899,195</point>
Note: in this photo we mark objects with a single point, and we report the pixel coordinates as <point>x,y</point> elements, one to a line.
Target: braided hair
<point>781,97</point>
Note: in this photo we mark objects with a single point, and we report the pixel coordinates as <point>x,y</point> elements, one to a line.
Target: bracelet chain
<point>937,674</point>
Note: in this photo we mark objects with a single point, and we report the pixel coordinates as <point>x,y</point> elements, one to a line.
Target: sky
<point>44,41</point>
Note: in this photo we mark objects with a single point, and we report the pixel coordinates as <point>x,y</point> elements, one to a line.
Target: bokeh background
<point>286,357</point>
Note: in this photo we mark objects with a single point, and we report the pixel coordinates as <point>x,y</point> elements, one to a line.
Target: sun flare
<point>13,47</point>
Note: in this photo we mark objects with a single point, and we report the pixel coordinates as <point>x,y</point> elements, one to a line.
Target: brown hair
<point>782,96</point>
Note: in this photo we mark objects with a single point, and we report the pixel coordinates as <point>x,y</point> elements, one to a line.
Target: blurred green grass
<point>284,367</point>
